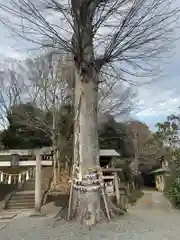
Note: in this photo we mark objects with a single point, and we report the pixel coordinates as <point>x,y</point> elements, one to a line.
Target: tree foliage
<point>168,131</point>
<point>115,135</point>
<point>19,134</point>
<point>22,134</point>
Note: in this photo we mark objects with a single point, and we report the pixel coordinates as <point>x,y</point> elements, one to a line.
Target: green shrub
<point>173,191</point>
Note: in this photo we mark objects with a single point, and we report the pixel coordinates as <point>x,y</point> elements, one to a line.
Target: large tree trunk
<point>86,154</point>
<point>88,149</point>
<point>86,194</point>
<point>87,176</point>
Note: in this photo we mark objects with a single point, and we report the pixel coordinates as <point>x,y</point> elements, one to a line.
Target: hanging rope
<point>78,160</point>
<point>92,179</point>
<point>10,178</point>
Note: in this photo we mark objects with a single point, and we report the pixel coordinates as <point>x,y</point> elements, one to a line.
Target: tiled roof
<point>109,153</point>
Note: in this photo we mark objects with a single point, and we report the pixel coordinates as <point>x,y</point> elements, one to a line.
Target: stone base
<point>37,214</point>
<point>3,226</point>
<point>7,215</point>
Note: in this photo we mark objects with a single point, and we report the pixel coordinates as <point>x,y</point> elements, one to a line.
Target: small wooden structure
<point>160,178</point>
<point>116,181</point>
<point>161,174</point>
<point>108,160</point>
<point>108,157</point>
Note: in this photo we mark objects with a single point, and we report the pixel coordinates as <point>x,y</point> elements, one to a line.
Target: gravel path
<point>151,219</point>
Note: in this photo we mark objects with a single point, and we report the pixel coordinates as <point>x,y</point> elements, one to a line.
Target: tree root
<point>115,209</point>
<point>82,213</point>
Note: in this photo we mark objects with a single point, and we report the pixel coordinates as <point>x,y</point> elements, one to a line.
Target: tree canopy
<point>19,134</point>
<point>28,128</point>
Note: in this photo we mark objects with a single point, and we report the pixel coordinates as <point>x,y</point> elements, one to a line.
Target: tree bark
<point>86,152</point>
<point>89,202</point>
<point>85,201</point>
<point>89,149</point>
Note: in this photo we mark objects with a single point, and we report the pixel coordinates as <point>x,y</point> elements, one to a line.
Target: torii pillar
<point>38,178</point>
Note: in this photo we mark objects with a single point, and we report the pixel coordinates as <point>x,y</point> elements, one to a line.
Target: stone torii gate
<point>12,160</point>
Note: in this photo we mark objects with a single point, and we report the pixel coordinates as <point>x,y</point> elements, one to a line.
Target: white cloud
<point>8,52</point>
<point>166,108</point>
<point>157,101</point>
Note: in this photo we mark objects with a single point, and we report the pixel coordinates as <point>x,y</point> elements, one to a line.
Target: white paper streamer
<point>27,175</point>
<point>19,178</point>
<point>2,177</point>
<point>9,179</point>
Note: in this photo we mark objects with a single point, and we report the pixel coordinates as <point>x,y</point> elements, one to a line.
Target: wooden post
<point>116,184</point>
<point>38,184</point>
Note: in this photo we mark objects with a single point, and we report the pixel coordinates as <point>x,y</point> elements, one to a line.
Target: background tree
<point>18,134</point>
<point>47,89</point>
<point>168,132</point>
<point>140,136</point>
<point>115,135</point>
<point>152,151</point>
<point>12,88</point>
<point>53,94</point>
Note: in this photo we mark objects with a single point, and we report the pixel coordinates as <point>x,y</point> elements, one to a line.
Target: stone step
<point>20,206</point>
<point>18,196</point>
<point>21,200</point>
<point>24,192</point>
<point>14,201</point>
<point>23,195</point>
<point>20,203</point>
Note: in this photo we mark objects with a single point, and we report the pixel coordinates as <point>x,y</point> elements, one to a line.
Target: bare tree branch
<point>12,89</point>
<point>132,34</point>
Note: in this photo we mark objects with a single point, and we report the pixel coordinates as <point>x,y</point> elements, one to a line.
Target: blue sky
<point>162,97</point>
<point>154,101</point>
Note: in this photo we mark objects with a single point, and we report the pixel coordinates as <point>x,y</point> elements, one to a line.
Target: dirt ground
<point>151,218</point>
